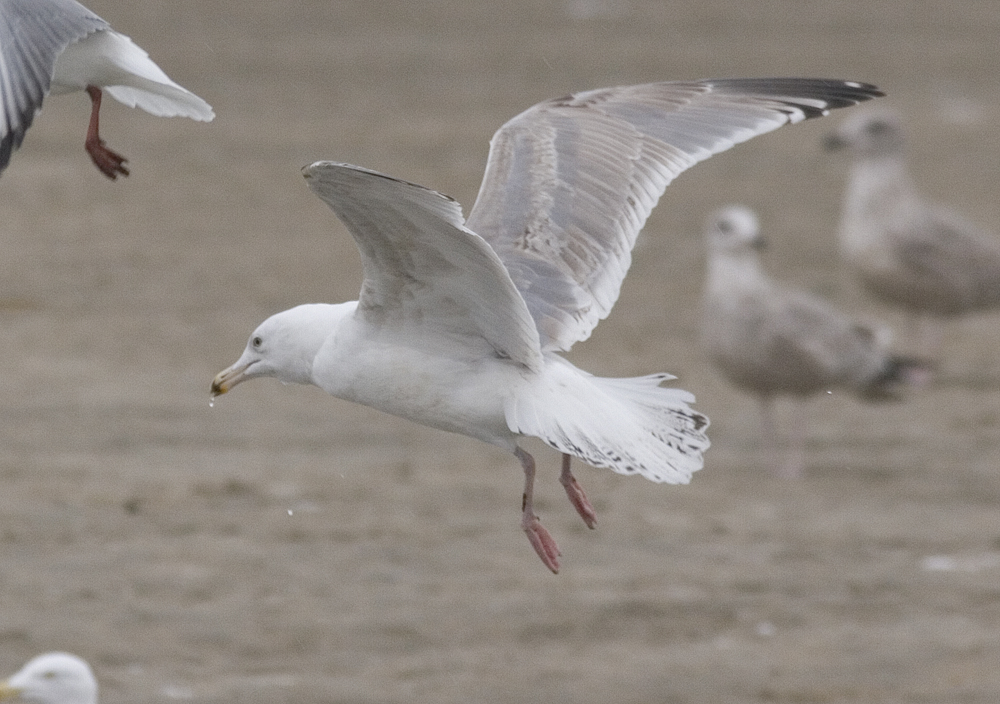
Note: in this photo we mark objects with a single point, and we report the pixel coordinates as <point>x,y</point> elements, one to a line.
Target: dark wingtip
<point>825,94</point>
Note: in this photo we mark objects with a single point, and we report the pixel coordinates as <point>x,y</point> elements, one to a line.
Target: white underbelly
<point>465,396</point>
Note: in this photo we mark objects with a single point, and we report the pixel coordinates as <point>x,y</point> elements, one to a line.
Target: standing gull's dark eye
<point>256,342</point>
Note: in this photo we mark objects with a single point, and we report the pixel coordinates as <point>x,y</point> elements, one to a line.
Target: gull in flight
<point>60,46</point>
<point>904,249</point>
<point>459,322</point>
<point>52,678</point>
<point>772,340</point>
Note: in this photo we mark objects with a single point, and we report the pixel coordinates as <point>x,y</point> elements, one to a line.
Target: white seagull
<point>60,46</point>
<point>772,340</point>
<point>459,323</point>
<point>52,678</point>
<point>905,250</point>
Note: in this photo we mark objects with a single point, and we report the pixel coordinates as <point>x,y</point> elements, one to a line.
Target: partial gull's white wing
<point>33,33</point>
<point>422,267</point>
<point>112,61</point>
<point>570,182</point>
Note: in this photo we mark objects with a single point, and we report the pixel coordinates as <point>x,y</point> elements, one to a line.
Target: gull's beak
<point>227,379</point>
<point>7,691</point>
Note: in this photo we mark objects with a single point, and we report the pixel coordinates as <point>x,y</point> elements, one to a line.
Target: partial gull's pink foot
<point>541,540</point>
<point>575,493</point>
<point>108,161</point>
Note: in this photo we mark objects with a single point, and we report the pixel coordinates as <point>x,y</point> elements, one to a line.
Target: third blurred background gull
<point>772,340</point>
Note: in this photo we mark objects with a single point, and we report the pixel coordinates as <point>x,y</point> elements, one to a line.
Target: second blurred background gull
<point>772,340</point>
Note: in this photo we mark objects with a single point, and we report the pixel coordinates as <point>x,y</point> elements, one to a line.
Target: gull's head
<point>52,678</point>
<point>283,346</point>
<point>732,230</point>
<point>873,132</point>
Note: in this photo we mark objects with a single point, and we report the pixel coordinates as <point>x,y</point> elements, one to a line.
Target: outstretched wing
<point>33,33</point>
<point>422,267</point>
<point>570,182</point>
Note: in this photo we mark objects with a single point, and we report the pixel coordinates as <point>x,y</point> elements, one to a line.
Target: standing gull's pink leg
<point>575,493</point>
<point>540,539</point>
<point>109,162</point>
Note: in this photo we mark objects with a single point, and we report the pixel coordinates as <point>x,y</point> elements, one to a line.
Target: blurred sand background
<point>284,546</point>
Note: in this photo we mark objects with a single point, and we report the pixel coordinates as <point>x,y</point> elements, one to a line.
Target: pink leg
<point>104,159</point>
<point>575,493</point>
<point>540,539</point>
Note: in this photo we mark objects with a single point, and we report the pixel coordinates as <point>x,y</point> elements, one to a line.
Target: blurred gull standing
<point>52,678</point>
<point>59,46</point>
<point>772,340</point>
<point>905,250</point>
<point>459,322</point>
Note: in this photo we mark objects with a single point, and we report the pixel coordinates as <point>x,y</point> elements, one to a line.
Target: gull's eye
<point>50,675</point>
<point>725,227</point>
<point>257,342</point>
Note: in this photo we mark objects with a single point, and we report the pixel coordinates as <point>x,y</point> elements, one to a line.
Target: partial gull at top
<point>458,323</point>
<point>60,46</point>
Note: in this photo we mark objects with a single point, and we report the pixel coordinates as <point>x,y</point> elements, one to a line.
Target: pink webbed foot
<point>109,162</point>
<point>576,495</point>
<point>542,541</point>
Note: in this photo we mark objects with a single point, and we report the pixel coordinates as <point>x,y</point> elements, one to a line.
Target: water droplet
<point>211,401</point>
<point>289,512</point>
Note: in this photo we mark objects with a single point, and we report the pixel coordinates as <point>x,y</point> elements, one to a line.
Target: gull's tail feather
<point>630,425</point>
<point>164,101</point>
<point>897,374</point>
<point>136,81</point>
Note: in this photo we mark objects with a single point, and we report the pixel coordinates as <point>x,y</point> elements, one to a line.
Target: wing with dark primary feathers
<point>570,182</point>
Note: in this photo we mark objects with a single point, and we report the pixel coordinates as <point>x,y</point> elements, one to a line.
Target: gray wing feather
<point>955,267</point>
<point>422,267</point>
<point>32,35</point>
<point>570,182</point>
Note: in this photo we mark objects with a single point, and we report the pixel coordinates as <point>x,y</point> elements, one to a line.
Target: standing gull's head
<point>868,133</point>
<point>734,228</point>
